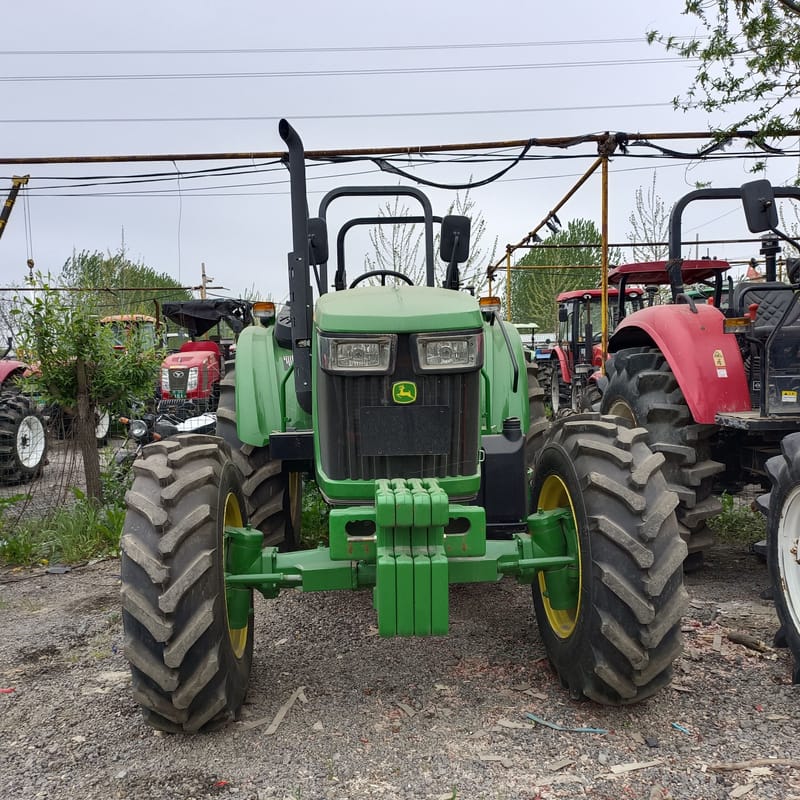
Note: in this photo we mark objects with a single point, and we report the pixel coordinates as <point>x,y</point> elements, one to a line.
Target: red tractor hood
<point>195,358</point>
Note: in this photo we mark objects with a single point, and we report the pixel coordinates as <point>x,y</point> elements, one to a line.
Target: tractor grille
<point>364,435</point>
<point>178,379</point>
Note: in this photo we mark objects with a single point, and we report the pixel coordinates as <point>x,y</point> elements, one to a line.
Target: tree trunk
<point>85,435</point>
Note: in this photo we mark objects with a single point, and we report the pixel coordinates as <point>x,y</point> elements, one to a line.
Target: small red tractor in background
<point>577,355</point>
<point>194,372</point>
<point>23,436</point>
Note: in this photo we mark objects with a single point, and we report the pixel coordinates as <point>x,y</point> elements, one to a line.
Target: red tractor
<point>194,372</point>
<point>716,389</point>
<point>23,437</point>
<point>573,364</point>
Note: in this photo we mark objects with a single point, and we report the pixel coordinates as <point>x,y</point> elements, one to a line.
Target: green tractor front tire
<point>783,541</point>
<point>190,670</point>
<point>273,493</point>
<point>617,641</point>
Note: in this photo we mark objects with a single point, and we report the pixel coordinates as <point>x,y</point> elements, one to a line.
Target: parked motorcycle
<point>153,427</point>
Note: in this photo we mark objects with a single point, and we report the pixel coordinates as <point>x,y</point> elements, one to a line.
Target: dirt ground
<point>424,718</point>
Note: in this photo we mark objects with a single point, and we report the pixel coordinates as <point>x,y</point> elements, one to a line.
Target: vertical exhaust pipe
<point>300,295</point>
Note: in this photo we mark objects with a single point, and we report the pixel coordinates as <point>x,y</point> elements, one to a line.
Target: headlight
<point>370,354</point>
<point>138,429</point>
<point>164,379</point>
<point>191,381</point>
<point>457,352</point>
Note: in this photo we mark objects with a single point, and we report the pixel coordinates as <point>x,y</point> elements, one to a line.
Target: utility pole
<point>204,280</point>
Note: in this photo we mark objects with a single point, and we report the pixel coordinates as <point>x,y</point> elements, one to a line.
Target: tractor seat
<point>283,328</point>
<point>772,297</point>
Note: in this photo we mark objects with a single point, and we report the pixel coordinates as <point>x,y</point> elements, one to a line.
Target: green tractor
<point>415,412</point>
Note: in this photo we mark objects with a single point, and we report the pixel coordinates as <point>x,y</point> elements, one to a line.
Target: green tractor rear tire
<point>783,541</point>
<point>273,494</point>
<point>618,641</point>
<point>190,670</point>
<point>642,389</point>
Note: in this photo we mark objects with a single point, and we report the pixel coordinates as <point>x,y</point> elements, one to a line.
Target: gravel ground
<point>370,718</point>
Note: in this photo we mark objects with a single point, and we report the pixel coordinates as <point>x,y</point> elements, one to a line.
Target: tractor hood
<point>194,358</point>
<point>396,309</point>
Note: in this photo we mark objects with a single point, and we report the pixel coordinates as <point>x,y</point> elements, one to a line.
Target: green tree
<point>76,366</point>
<point>749,61</point>
<point>649,223</point>
<point>401,247</point>
<point>576,265</point>
<point>105,274</point>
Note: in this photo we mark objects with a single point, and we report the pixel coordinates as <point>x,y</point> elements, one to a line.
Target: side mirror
<point>758,201</point>
<point>317,240</point>
<point>454,248</point>
<point>563,314</point>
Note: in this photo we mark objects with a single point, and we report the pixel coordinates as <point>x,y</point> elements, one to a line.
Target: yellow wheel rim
<point>233,518</point>
<point>619,408</point>
<point>554,494</point>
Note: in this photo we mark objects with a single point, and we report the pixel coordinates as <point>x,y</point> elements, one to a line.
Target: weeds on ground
<point>738,523</point>
<point>68,535</point>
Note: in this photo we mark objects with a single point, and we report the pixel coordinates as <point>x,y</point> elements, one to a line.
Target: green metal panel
<point>396,309</point>
<point>265,396</point>
<point>497,395</point>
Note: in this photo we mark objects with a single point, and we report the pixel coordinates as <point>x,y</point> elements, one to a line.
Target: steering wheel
<point>384,274</point>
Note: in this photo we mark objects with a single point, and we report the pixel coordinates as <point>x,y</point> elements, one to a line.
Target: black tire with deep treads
<point>625,633</point>
<point>642,387</point>
<point>273,494</point>
<point>538,422</point>
<point>21,458</point>
<point>186,675</point>
<point>782,505</point>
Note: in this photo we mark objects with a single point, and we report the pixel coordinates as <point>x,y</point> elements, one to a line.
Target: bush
<point>738,523</point>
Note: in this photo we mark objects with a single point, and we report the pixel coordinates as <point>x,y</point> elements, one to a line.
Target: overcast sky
<point>212,78</point>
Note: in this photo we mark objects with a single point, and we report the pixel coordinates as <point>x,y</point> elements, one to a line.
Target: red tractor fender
<point>558,354</point>
<point>12,368</point>
<point>706,362</point>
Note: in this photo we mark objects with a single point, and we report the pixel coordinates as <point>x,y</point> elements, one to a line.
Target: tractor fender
<point>706,362</point>
<point>265,395</point>
<point>498,398</point>
<point>11,369</point>
<point>559,355</point>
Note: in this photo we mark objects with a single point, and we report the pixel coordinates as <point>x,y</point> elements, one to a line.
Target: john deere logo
<point>404,392</point>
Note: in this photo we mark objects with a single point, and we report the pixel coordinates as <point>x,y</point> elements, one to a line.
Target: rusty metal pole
<point>17,182</point>
<point>508,284</point>
<point>604,265</point>
<point>510,248</point>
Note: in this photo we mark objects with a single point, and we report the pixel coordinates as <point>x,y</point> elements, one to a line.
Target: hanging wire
<point>26,209</point>
<point>180,217</point>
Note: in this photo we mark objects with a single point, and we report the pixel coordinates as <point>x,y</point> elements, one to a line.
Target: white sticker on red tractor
<point>719,363</point>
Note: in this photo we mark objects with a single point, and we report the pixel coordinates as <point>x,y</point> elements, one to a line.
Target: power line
<point>339,73</point>
<point>352,49</point>
<point>561,142</point>
<point>387,115</point>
